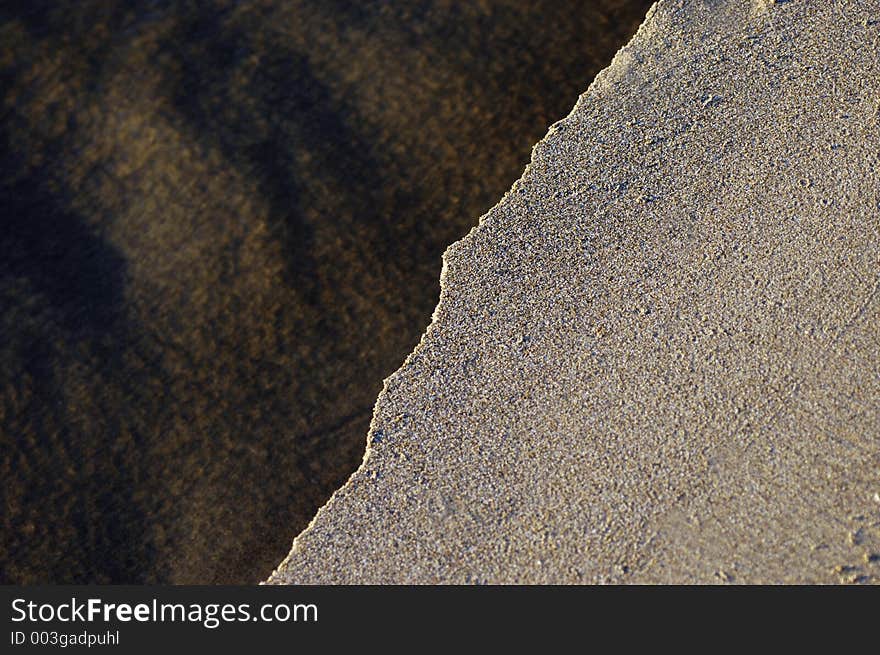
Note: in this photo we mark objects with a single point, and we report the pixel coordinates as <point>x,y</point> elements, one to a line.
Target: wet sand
<point>655,360</point>
<point>223,225</point>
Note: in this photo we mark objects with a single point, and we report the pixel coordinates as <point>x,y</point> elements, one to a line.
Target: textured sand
<point>222,223</point>
<point>656,359</point>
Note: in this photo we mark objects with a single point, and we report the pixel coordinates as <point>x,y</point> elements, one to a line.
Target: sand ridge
<point>655,359</point>
<point>222,228</point>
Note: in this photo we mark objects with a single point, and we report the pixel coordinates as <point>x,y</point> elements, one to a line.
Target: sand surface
<point>656,359</point>
<point>222,228</point>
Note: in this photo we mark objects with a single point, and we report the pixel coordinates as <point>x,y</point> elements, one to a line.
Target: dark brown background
<point>222,228</point>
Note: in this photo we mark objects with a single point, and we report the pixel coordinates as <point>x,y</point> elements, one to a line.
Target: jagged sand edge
<point>618,63</point>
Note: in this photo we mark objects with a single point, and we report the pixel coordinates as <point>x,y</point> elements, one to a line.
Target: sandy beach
<point>655,359</point>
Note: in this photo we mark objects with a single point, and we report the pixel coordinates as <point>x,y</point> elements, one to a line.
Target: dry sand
<point>222,224</point>
<point>656,359</point>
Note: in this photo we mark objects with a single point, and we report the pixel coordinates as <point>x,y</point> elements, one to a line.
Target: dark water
<point>222,228</point>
